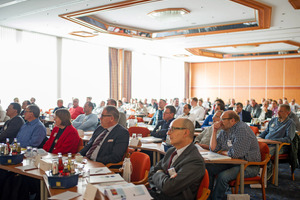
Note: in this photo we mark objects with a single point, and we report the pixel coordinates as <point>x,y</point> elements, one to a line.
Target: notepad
<point>99,170</point>
<point>214,156</point>
<point>27,167</point>
<point>105,178</point>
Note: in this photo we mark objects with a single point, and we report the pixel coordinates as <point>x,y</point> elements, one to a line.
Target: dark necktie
<point>96,143</point>
<point>171,158</point>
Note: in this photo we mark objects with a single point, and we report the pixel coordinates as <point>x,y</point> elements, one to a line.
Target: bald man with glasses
<point>179,174</point>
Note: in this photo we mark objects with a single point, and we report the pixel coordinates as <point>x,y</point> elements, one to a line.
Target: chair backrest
<point>264,150</point>
<point>80,145</point>
<point>204,184</point>
<point>131,117</point>
<point>135,129</point>
<point>140,163</point>
<point>255,129</point>
<point>140,119</point>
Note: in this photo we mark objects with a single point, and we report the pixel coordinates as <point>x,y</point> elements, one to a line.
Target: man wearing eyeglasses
<point>237,141</point>
<point>179,174</point>
<point>109,142</point>
<point>161,129</point>
<point>33,132</point>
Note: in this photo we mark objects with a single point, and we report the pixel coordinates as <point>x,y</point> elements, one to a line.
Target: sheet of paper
<point>90,192</point>
<point>66,195</point>
<point>100,170</point>
<point>214,156</point>
<point>105,178</point>
<point>27,167</point>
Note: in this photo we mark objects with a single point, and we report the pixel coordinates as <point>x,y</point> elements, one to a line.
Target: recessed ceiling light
<point>168,14</point>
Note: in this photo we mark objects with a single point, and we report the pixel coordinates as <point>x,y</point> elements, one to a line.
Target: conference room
<point>152,49</point>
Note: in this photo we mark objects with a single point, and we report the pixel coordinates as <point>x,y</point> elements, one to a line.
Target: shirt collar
<point>33,122</point>
<point>181,150</point>
<point>112,127</point>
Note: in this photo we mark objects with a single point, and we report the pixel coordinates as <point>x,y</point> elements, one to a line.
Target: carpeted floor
<point>286,190</point>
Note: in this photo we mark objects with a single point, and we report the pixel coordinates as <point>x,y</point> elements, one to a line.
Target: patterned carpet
<point>286,190</point>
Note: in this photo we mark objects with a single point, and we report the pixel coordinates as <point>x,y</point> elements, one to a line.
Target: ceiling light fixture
<point>169,14</point>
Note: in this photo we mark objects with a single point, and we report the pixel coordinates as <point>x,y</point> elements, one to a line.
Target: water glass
<point>140,136</point>
<point>133,135</point>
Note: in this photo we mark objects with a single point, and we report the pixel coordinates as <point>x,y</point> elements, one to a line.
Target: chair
<point>135,129</point>
<point>140,119</point>
<point>119,164</point>
<point>140,167</point>
<point>203,191</point>
<point>255,130</point>
<point>131,117</point>
<point>281,157</point>
<point>80,145</point>
<point>265,157</point>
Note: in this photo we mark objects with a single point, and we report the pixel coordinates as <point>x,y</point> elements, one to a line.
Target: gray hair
<point>112,110</point>
<point>35,110</point>
<point>188,124</point>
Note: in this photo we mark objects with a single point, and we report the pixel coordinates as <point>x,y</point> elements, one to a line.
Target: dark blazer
<point>246,116</point>
<point>267,115</point>
<point>190,169</point>
<point>11,128</point>
<point>161,129</point>
<point>114,146</point>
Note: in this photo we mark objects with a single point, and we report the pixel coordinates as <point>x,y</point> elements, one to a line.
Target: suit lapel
<point>183,155</point>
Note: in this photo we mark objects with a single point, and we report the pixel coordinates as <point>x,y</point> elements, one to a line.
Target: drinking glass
<point>140,136</point>
<point>133,135</point>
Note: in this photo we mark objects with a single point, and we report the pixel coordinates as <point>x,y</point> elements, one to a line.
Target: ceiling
<point>43,16</point>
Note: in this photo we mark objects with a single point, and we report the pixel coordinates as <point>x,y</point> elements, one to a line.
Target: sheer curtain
<point>85,72</point>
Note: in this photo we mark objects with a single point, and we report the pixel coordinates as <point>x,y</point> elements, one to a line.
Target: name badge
<point>272,125</point>
<point>229,143</point>
<point>172,171</point>
<point>110,140</point>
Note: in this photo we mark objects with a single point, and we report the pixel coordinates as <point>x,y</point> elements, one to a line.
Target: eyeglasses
<point>167,113</point>
<point>27,111</point>
<point>105,116</point>
<point>225,119</point>
<point>172,128</point>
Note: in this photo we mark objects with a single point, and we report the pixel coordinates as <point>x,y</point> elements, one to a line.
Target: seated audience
<point>16,100</point>
<point>64,137</point>
<point>232,104</point>
<point>32,101</point>
<point>122,116</point>
<point>33,132</point>
<point>247,105</point>
<point>188,164</point>
<point>238,141</point>
<point>24,106</point>
<point>198,111</point>
<point>295,119</point>
<point>141,109</point>
<point>280,128</point>
<point>294,106</point>
<point>265,113</point>
<point>89,99</point>
<point>3,116</point>
<point>280,101</point>
<point>99,109</point>
<point>203,139</point>
<point>274,108</point>
<point>11,127</point>
<point>76,109</point>
<point>178,108</point>
<point>161,128</point>
<point>87,121</point>
<point>245,116</point>
<point>207,104</point>
<point>158,115</point>
<point>60,104</point>
<point>254,109</point>
<point>208,121</point>
<point>109,141</point>
<point>120,106</point>
<point>186,113</point>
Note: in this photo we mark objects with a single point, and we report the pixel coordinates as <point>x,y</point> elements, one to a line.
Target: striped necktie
<point>96,143</point>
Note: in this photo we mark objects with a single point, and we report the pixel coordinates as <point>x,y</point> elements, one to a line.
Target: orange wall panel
<point>292,72</point>
<point>275,72</point>
<point>258,73</point>
<point>198,74</point>
<point>226,74</point>
<point>257,93</point>
<point>212,74</point>
<point>241,73</point>
<point>227,93</point>
<point>275,93</point>
<point>292,93</point>
<point>241,94</point>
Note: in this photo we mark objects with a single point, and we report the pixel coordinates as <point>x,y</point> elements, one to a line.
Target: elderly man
<point>178,108</point>
<point>186,113</point>
<point>161,129</point>
<point>254,109</point>
<point>87,121</point>
<point>60,104</point>
<point>238,141</point>
<point>98,110</point>
<point>294,106</point>
<point>198,111</point>
<point>280,128</point>
<point>178,175</point>
<point>122,116</point>
<point>109,142</point>
<point>158,115</point>
<point>76,109</point>
<point>12,126</point>
<point>203,139</point>
<point>24,106</point>
<point>265,113</point>
<point>245,116</point>
<point>33,132</point>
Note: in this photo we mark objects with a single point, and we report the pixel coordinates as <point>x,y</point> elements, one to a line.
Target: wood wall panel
<point>227,74</point>
<point>241,73</point>
<point>275,93</point>
<point>198,74</point>
<point>257,93</point>
<point>275,72</point>
<point>292,72</point>
<point>241,94</point>
<point>226,93</point>
<point>292,93</point>
<point>257,73</point>
<point>212,74</point>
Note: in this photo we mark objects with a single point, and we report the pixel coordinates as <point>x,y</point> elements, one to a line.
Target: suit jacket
<point>67,142</point>
<point>246,116</point>
<point>161,129</point>
<point>113,147</point>
<point>190,169</point>
<point>11,128</point>
<point>267,115</point>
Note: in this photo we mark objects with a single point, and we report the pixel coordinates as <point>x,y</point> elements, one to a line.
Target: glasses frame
<point>172,129</point>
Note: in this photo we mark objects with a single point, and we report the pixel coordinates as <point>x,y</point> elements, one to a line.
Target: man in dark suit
<point>109,142</point>
<point>265,113</point>
<point>178,175</point>
<point>245,116</point>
